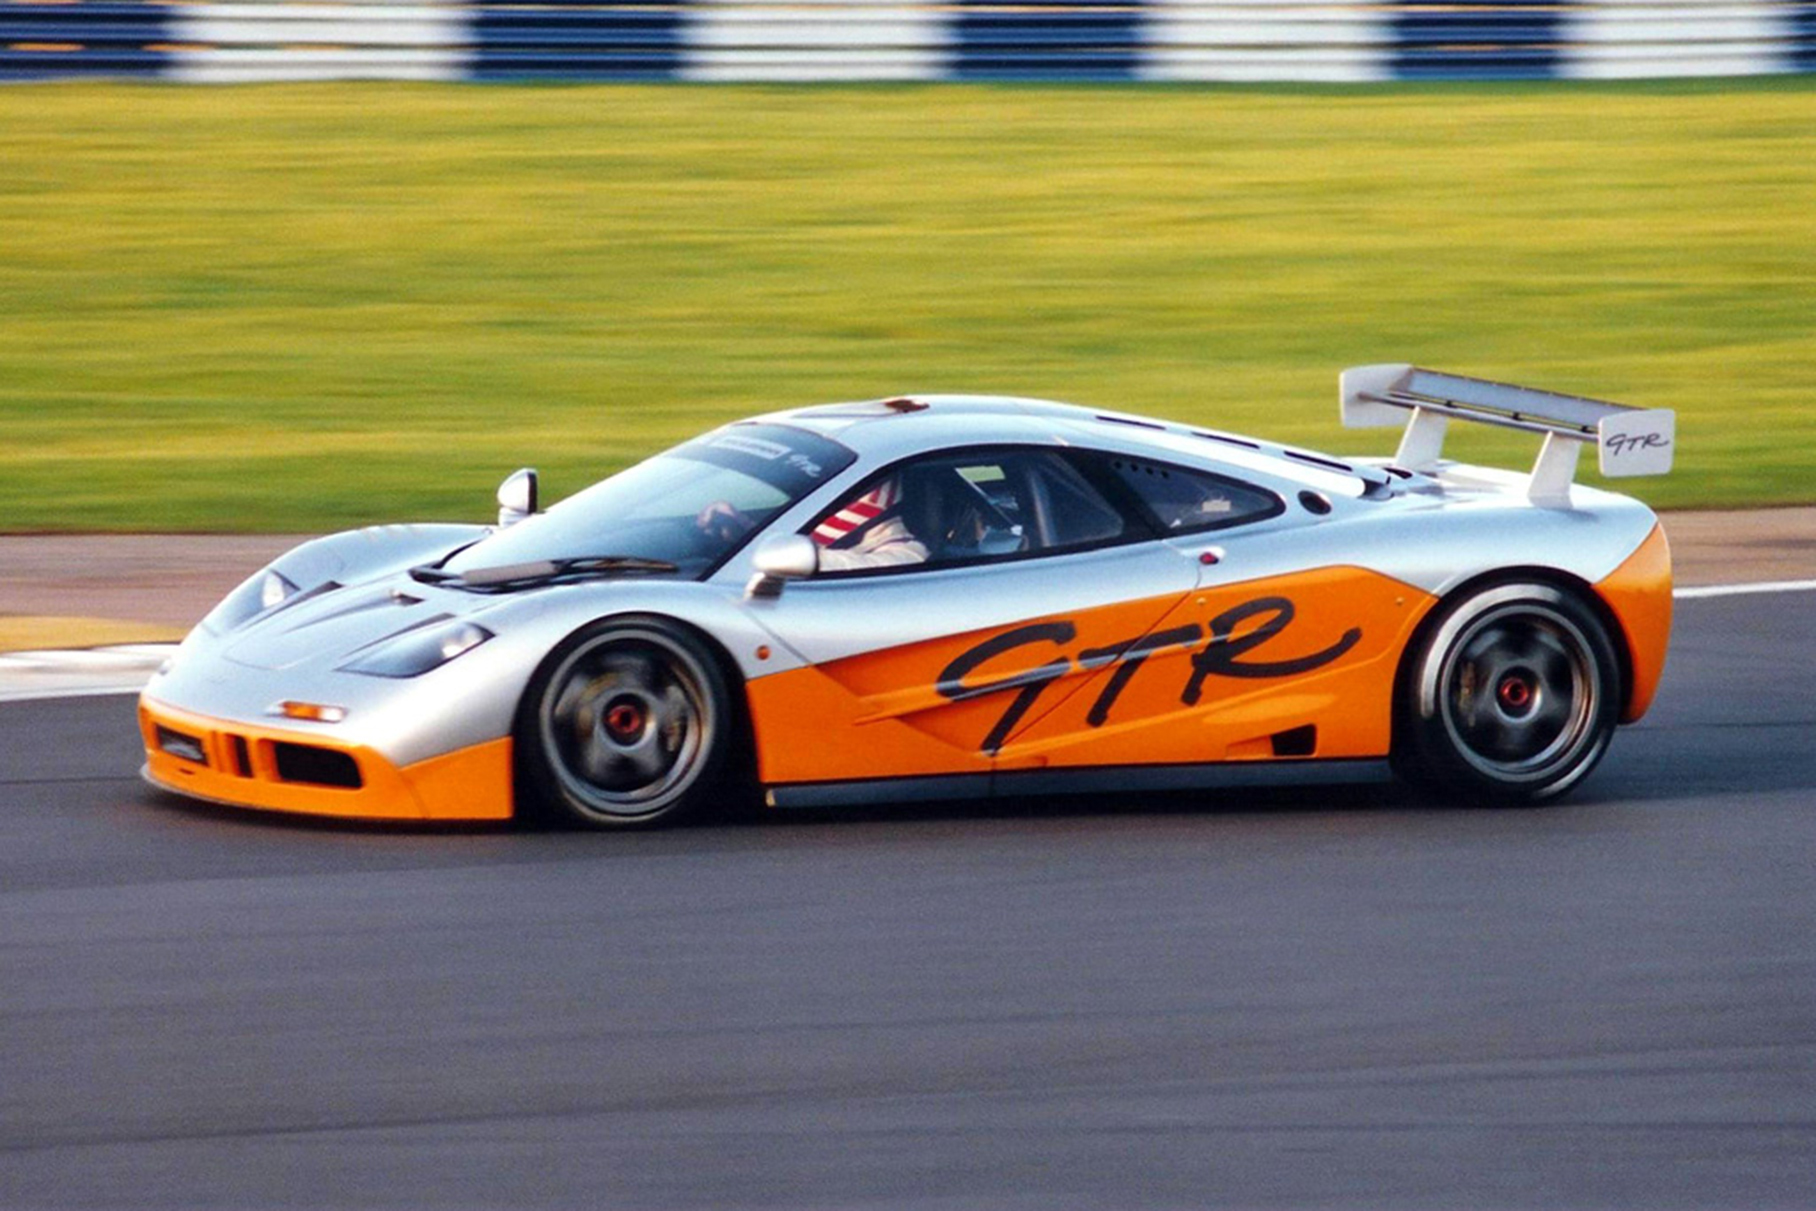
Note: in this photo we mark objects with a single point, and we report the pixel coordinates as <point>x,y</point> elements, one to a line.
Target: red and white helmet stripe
<point>865,509</point>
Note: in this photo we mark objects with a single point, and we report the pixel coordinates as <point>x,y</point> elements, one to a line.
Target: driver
<point>883,538</point>
<point>867,532</point>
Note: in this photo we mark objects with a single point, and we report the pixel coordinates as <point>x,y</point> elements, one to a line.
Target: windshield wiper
<point>541,571</point>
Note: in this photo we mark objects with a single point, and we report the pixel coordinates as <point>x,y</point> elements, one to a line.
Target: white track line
<point>81,691</point>
<point>1736,590</point>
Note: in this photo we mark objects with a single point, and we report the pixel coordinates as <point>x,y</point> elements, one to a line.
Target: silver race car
<point>953,596</point>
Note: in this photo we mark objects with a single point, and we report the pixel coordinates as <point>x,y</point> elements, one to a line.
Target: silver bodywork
<point>1433,530</point>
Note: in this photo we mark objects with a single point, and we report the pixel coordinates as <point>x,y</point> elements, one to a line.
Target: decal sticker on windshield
<point>750,445</point>
<point>792,460</point>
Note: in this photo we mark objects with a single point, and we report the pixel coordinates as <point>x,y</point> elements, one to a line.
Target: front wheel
<point>1514,695</point>
<point>628,723</point>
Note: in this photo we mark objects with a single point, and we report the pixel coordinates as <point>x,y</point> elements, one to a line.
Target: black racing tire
<point>1513,696</point>
<point>629,723</point>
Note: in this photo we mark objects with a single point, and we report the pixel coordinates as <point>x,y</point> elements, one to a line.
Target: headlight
<point>254,596</point>
<point>418,650</point>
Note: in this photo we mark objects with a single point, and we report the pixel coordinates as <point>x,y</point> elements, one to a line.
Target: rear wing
<point>1628,441</point>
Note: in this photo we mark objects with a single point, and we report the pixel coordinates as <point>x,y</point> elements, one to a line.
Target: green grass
<point>303,307</point>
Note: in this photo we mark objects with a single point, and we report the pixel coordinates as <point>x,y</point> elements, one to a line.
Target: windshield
<point>691,506</point>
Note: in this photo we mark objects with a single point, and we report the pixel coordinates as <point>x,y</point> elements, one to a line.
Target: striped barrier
<point>817,40</point>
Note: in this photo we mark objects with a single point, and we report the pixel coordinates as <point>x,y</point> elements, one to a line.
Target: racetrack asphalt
<point>1317,998</point>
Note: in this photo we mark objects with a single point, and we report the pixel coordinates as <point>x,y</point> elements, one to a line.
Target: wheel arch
<point>1556,578</point>
<point>742,754</point>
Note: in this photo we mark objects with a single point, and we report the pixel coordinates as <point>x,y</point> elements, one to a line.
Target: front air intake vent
<point>242,755</point>
<point>316,766</point>
<point>182,744</point>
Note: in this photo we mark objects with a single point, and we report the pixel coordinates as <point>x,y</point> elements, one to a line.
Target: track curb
<point>62,672</point>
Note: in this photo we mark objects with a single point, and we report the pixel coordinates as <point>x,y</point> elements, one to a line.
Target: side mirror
<point>781,558</point>
<point>517,497</point>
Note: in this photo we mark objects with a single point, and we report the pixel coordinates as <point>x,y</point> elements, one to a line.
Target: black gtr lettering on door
<point>1221,656</point>
<point>1031,681</point>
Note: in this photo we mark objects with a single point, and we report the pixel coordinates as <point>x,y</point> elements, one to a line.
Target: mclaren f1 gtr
<point>954,596</point>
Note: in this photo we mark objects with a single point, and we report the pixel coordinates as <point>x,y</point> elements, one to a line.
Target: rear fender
<point>1639,654</point>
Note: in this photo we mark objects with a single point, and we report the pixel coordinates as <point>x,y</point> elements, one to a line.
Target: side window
<point>1069,511</point>
<point>1183,500</point>
<point>966,508</point>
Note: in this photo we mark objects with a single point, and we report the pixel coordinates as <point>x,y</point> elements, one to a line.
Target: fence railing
<point>811,40</point>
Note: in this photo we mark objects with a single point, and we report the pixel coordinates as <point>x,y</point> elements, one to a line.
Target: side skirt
<point>1096,779</point>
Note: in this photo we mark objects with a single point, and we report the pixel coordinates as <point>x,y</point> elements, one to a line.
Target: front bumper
<point>278,769</point>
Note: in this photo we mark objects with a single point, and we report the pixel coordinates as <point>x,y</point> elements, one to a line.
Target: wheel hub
<point>1516,693</point>
<point>624,720</point>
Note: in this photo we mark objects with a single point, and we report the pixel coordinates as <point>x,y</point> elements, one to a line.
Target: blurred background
<point>281,268</point>
<point>304,305</point>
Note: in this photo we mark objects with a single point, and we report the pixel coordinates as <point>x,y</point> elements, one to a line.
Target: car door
<point>1284,649</point>
<point>1033,575</point>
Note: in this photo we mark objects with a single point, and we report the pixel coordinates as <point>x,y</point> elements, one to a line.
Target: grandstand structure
<point>830,40</point>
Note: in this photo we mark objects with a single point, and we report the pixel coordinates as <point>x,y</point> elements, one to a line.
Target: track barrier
<point>827,40</point>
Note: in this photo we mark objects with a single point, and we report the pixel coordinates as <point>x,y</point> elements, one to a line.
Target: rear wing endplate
<point>1628,441</point>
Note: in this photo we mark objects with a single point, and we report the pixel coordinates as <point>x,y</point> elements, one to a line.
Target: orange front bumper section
<point>276,769</point>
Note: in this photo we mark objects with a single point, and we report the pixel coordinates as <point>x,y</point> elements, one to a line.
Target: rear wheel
<point>627,724</point>
<point>1513,697</point>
